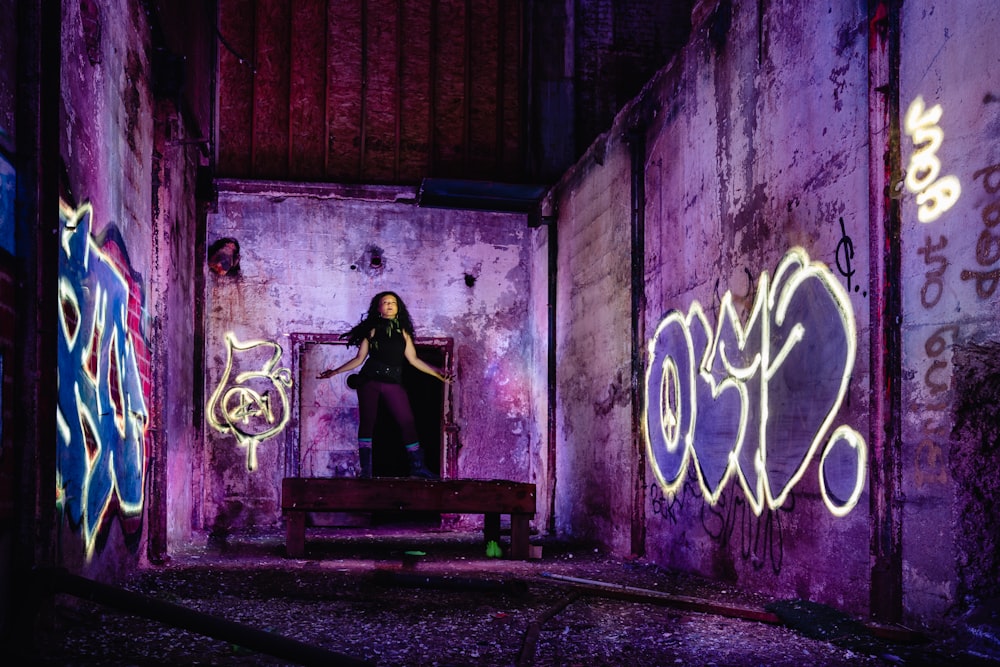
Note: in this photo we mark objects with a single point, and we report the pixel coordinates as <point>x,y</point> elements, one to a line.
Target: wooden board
<point>300,495</point>
<point>396,493</point>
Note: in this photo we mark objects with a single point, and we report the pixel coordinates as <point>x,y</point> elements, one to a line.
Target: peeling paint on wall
<point>103,380</point>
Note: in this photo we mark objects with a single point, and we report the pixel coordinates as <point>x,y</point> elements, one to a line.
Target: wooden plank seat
<point>491,498</point>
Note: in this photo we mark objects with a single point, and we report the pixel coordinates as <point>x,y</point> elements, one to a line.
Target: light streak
<point>756,401</point>
<point>241,403</point>
<point>934,195</point>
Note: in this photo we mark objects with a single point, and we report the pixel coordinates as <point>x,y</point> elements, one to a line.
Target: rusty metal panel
<point>376,91</point>
<point>508,112</point>
<point>449,132</point>
<point>236,51</point>
<point>344,86</point>
<point>270,121</point>
<point>482,97</point>
<point>379,90</point>
<point>307,95</point>
<point>415,106</point>
<point>328,415</point>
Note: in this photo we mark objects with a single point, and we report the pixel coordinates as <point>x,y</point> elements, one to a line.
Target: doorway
<point>389,457</point>
<point>322,441</point>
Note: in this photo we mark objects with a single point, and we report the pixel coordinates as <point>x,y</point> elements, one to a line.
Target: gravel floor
<point>405,596</point>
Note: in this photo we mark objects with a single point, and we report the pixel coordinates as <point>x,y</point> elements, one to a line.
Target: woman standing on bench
<point>384,338</point>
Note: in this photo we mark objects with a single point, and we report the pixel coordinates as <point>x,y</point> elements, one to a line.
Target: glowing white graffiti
<point>935,196</point>
<point>757,401</point>
<point>241,403</point>
<point>101,416</point>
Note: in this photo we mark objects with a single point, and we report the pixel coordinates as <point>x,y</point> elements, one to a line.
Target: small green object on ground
<point>493,550</point>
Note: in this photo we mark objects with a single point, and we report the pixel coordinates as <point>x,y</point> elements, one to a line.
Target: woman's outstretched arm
<point>358,359</point>
<point>410,353</point>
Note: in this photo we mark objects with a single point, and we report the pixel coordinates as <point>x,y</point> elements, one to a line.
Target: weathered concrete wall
<point>750,155</point>
<point>306,269</point>
<point>122,259</point>
<point>950,253</point>
<point>759,289</point>
<point>543,464</point>
<point>9,305</point>
<point>175,437</point>
<point>755,159</point>
<point>593,353</point>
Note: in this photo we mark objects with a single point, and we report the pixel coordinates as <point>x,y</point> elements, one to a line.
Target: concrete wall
<point>767,254</point>
<point>175,430</point>
<point>593,353</point>
<point>950,250</point>
<point>307,274</point>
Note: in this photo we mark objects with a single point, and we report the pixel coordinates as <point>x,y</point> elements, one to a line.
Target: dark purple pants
<point>396,402</point>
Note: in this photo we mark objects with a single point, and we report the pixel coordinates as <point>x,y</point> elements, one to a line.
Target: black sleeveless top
<point>386,350</point>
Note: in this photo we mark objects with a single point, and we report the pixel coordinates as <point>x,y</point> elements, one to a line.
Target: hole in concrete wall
<point>224,257</point>
<point>469,280</point>
<point>372,261</point>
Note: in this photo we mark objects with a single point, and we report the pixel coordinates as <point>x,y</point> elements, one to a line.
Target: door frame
<point>449,429</point>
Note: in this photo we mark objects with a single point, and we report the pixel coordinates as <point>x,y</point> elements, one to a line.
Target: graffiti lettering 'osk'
<point>101,417</point>
<point>242,404</point>
<point>757,401</point>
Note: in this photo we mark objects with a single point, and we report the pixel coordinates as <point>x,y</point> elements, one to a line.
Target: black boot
<point>417,467</point>
<point>365,454</point>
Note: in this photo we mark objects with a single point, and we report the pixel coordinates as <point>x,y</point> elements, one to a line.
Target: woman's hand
<point>358,359</point>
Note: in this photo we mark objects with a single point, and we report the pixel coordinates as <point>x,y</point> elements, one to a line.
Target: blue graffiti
<point>8,185</point>
<point>101,414</point>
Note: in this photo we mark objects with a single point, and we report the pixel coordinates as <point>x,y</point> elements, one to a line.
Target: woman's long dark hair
<point>363,329</point>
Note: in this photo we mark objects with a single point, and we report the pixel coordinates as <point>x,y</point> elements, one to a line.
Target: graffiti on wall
<point>730,520</point>
<point>103,375</point>
<point>251,401</point>
<point>987,274</point>
<point>934,195</point>
<point>754,403</point>
<point>8,186</point>
<point>845,257</point>
<point>930,464</point>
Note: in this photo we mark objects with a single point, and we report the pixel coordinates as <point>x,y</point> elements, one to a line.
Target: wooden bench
<point>300,495</point>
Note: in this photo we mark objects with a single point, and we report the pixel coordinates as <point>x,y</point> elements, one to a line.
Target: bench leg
<point>295,534</point>
<point>491,527</point>
<point>519,531</point>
